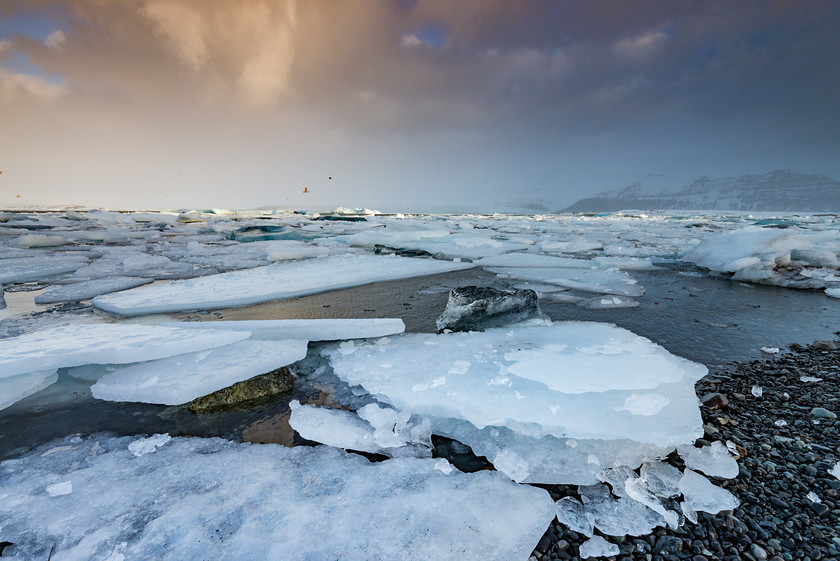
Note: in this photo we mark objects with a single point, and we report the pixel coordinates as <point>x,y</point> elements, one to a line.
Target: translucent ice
<point>618,517</point>
<point>835,471</point>
<point>663,480</point>
<point>15,388</point>
<point>309,329</point>
<point>40,267</point>
<point>572,514</point>
<point>182,378</point>
<point>604,281</point>
<point>701,495</point>
<point>198,498</point>
<point>596,546</point>
<point>77,344</point>
<point>714,460</point>
<point>148,445</point>
<point>272,282</point>
<point>570,379</point>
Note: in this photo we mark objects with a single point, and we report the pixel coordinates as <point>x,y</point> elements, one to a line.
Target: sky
<point>414,105</point>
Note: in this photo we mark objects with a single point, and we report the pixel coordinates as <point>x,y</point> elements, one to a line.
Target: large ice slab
<point>602,281</point>
<point>39,267</point>
<point>309,329</point>
<point>182,378</point>
<point>86,290</point>
<point>194,498</point>
<point>77,344</point>
<point>273,282</point>
<point>571,379</point>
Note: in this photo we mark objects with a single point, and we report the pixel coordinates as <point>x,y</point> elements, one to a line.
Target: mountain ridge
<point>779,190</point>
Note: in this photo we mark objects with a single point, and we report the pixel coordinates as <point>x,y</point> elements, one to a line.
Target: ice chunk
<point>474,308</point>
<point>833,292</point>
<point>508,462</point>
<point>38,240</point>
<point>701,495</point>
<point>604,281</point>
<point>572,514</point>
<point>182,378</point>
<point>609,302</point>
<point>570,379</point>
<point>59,489</point>
<point>835,471</point>
<point>663,480</point>
<point>309,329</point>
<point>272,282</point>
<point>637,489</point>
<point>15,388</point>
<point>770,350</point>
<point>714,460</point>
<point>618,517</point>
<point>77,344</point>
<point>88,289</point>
<point>596,546</point>
<point>148,445</point>
<point>25,269</point>
<point>810,379</point>
<point>198,498</point>
<point>757,391</point>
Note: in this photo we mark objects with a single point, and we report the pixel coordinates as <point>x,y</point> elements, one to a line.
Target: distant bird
<point>2,172</point>
<point>306,189</point>
<point>18,196</point>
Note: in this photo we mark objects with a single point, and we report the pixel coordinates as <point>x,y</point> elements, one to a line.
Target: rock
<point>2,299</point>
<point>714,401</point>
<point>256,389</point>
<point>822,413</point>
<point>475,308</point>
<point>819,508</point>
<point>400,251</point>
<point>826,345</point>
<point>758,552</point>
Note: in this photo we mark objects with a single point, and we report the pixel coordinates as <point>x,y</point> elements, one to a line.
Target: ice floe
<point>272,282</point>
<point>331,329</point>
<point>603,281</point>
<point>15,388</point>
<point>195,498</point>
<point>86,290</point>
<point>78,344</point>
<point>182,378</point>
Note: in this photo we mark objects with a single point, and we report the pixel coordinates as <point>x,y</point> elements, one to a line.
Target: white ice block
<point>571,379</point>
<point>309,329</point>
<point>196,498</point>
<point>103,343</point>
<point>272,282</point>
<point>603,281</point>
<point>182,378</point>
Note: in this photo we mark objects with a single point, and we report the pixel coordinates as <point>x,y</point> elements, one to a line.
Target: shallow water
<point>702,318</point>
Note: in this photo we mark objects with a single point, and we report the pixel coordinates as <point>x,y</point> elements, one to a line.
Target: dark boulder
<point>245,394</point>
<point>475,308</point>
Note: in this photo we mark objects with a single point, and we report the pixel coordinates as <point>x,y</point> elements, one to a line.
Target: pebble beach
<point>780,416</point>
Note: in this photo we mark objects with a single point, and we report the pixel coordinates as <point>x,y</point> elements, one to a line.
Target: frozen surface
<point>714,460</point>
<point>272,282</point>
<point>15,388</point>
<point>786,257</point>
<point>604,281</point>
<point>182,378</point>
<point>701,495</point>
<point>619,516</point>
<point>78,344</point>
<point>39,267</point>
<point>571,379</point>
<point>86,290</point>
<point>197,498</point>
<point>596,546</point>
<point>309,329</point>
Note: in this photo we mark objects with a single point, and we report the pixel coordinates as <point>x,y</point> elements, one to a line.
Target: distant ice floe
<point>791,258</point>
<point>333,329</point>
<point>195,498</point>
<point>272,282</point>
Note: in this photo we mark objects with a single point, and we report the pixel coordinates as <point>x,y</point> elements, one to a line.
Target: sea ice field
<point>276,384</point>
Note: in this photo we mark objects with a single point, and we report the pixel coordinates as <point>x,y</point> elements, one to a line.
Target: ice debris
<point>596,546</point>
<point>701,495</point>
<point>200,498</point>
<point>714,460</point>
<point>148,445</point>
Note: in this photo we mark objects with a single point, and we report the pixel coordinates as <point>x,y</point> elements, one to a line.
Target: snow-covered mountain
<point>781,190</point>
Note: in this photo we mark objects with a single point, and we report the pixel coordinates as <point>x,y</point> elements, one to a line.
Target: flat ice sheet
<point>86,290</point>
<point>273,282</point>
<point>39,267</point>
<point>570,379</point>
<point>182,378</point>
<point>102,343</point>
<point>309,329</point>
<point>196,498</point>
<point>602,281</point>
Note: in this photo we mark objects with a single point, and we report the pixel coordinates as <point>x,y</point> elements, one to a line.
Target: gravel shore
<point>782,415</point>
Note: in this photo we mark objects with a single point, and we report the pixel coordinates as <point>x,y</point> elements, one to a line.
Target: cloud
<point>14,85</point>
<point>55,40</point>
<point>183,26</point>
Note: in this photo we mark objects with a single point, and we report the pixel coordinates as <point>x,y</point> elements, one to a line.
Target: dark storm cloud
<point>647,84</point>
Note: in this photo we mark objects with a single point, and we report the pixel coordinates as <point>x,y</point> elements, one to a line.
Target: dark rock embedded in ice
<point>245,393</point>
<point>475,308</point>
<point>400,251</point>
